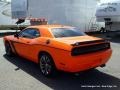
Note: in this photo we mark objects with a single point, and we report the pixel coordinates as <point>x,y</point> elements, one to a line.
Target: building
<point>109,12</point>
<point>79,13</point>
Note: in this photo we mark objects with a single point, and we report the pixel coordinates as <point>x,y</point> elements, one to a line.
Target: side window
<point>30,33</point>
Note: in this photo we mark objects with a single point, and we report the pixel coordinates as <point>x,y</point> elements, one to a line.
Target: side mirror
<point>16,35</point>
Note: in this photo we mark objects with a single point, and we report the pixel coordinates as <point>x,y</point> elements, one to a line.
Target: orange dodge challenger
<point>58,47</point>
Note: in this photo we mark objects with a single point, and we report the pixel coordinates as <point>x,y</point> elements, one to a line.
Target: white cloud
<point>104,1</point>
<point>8,0</point>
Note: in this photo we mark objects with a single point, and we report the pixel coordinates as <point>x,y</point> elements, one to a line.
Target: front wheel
<point>47,65</point>
<point>8,49</point>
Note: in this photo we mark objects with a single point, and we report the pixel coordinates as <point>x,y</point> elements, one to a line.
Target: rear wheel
<point>8,49</point>
<point>47,65</point>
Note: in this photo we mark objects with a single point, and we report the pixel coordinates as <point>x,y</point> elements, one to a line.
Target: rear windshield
<point>66,32</point>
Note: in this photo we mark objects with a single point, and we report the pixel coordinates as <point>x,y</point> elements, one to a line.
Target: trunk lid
<point>80,39</point>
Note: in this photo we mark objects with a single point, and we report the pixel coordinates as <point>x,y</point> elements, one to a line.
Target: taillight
<point>89,48</point>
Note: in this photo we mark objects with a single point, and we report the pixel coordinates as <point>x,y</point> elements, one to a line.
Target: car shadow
<point>67,81</point>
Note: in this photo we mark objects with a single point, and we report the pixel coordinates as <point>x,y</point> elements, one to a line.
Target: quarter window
<point>30,33</point>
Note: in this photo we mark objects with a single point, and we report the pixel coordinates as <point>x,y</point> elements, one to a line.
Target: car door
<point>24,42</point>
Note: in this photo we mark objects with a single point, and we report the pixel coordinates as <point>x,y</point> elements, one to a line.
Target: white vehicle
<point>79,13</point>
<point>109,12</point>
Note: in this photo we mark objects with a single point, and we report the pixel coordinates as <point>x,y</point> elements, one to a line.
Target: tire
<point>8,49</point>
<point>47,65</point>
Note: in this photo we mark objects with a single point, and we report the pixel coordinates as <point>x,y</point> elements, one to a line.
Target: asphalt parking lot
<point>19,74</point>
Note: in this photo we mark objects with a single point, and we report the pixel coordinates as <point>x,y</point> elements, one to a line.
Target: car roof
<point>49,26</point>
<point>45,29</point>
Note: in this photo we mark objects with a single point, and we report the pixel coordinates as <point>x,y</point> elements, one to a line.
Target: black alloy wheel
<point>47,65</point>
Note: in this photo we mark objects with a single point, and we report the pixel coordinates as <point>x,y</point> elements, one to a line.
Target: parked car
<point>58,47</point>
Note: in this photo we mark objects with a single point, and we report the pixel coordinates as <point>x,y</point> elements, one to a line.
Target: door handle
<point>27,42</point>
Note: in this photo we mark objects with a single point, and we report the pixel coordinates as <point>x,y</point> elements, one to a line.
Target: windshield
<point>66,32</point>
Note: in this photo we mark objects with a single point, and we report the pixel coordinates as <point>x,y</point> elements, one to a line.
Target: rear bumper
<point>87,61</point>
